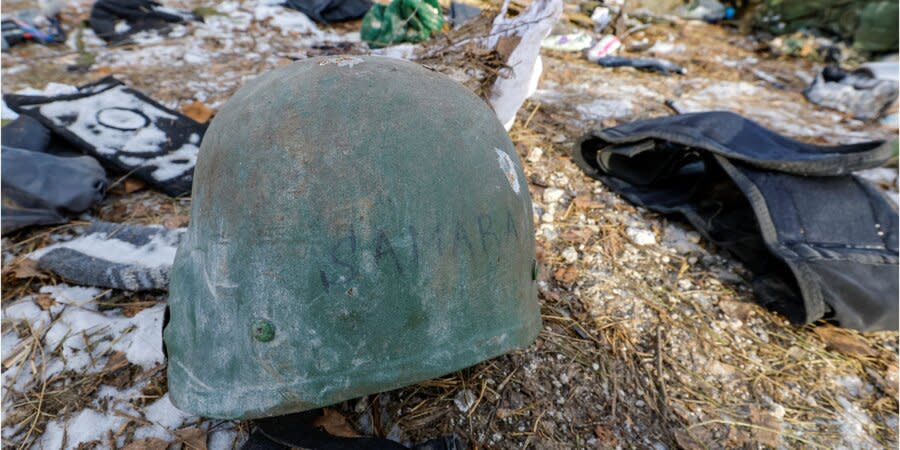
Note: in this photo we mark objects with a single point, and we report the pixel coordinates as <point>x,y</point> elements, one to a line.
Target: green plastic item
<point>401,21</point>
<point>358,224</point>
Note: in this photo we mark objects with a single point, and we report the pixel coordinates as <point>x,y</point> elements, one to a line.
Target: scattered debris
<point>870,25</point>
<point>198,111</point>
<point>401,21</point>
<point>655,163</point>
<point>601,18</point>
<point>652,64</point>
<point>43,189</point>
<point>606,46</point>
<point>123,129</point>
<point>120,256</point>
<point>115,20</point>
<point>330,11</point>
<point>523,33</point>
<point>707,10</point>
<point>21,30</point>
<point>573,42</point>
<point>858,92</point>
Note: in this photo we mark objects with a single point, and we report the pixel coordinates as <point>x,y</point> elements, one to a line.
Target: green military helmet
<point>358,224</point>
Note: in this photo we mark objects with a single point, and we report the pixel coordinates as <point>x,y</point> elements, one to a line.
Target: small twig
<point>530,116</point>
<point>672,106</point>
<point>122,178</point>
<point>137,419</point>
<point>537,422</point>
<point>477,402</point>
<point>37,414</point>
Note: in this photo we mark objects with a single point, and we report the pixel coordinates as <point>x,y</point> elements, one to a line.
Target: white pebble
<point>552,195</point>
<point>641,236</point>
<point>570,255</point>
<point>464,400</point>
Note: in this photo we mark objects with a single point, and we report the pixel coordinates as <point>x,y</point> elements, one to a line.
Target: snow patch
<point>853,425</point>
<point>605,109</point>
<point>156,253</point>
<point>165,418</point>
<point>641,236</point>
<point>86,426</point>
<point>52,89</point>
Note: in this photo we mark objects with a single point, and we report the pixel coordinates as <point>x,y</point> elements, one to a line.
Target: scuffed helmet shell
<point>358,224</point>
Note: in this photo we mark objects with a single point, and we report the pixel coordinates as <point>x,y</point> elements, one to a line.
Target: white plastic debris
<point>531,26</point>
<point>607,45</point>
<point>572,42</point>
<point>601,18</point>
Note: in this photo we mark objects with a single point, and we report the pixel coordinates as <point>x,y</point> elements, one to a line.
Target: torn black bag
<point>821,242</point>
<point>43,189</point>
<point>124,129</point>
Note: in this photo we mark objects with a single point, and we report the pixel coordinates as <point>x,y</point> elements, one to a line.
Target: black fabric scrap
<point>43,189</point>
<point>140,15</point>
<point>651,64</point>
<point>30,134</point>
<point>125,130</point>
<point>330,11</point>
<point>822,243</point>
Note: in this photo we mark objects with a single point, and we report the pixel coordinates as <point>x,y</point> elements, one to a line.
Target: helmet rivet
<point>263,330</point>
